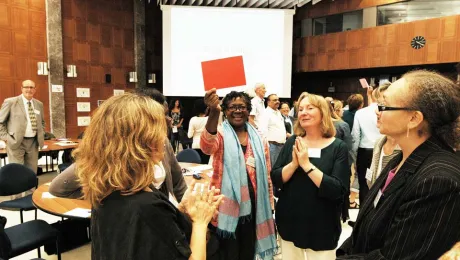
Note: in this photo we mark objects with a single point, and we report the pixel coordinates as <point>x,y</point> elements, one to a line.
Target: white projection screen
<point>192,35</point>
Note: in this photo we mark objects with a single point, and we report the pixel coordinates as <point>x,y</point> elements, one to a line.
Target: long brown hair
<point>123,142</point>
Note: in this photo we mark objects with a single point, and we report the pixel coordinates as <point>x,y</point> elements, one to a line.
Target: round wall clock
<point>418,42</point>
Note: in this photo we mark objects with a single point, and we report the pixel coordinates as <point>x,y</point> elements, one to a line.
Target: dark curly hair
<point>152,93</point>
<point>233,95</point>
<point>438,98</point>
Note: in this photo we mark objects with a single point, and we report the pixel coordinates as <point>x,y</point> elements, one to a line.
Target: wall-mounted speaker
<point>108,78</point>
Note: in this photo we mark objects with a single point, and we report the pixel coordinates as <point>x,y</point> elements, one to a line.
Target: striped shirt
<point>418,216</point>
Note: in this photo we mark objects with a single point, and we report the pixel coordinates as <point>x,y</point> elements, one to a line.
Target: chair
<point>22,238</point>
<point>188,155</point>
<point>14,179</point>
<point>52,154</point>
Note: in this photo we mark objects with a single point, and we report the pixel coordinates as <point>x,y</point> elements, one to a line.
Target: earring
<point>407,135</point>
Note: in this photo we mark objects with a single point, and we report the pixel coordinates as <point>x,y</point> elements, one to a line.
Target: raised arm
<point>208,140</point>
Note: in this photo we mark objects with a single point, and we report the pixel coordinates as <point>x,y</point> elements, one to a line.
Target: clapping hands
<point>200,203</point>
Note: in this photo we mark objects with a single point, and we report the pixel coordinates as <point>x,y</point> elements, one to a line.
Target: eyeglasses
<point>29,87</point>
<point>382,108</point>
<point>274,100</point>
<point>235,108</point>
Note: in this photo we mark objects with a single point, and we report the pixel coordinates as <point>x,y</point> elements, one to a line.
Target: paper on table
<point>200,168</point>
<point>65,143</point>
<point>79,212</point>
<point>47,195</point>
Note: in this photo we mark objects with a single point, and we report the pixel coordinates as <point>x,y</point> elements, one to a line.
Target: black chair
<point>14,179</point>
<point>188,155</point>
<point>22,238</point>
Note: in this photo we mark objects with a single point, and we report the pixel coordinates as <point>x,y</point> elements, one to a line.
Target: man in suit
<point>22,125</point>
<point>288,120</point>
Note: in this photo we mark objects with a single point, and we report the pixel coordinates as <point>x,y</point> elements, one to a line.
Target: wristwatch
<point>309,171</point>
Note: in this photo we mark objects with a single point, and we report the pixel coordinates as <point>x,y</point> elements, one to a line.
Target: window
<point>416,10</point>
<point>338,23</point>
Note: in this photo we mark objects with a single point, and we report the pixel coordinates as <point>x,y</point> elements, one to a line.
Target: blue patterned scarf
<point>235,189</point>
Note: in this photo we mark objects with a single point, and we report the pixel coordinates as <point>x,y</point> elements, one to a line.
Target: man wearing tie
<point>22,125</point>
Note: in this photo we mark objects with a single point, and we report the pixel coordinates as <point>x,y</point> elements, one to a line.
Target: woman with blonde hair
<point>311,176</point>
<point>338,107</point>
<point>117,163</point>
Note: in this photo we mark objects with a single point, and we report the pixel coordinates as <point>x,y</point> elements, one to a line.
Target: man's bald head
<point>28,83</point>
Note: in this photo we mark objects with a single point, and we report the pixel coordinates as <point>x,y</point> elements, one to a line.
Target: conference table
<point>50,148</point>
<point>77,208</point>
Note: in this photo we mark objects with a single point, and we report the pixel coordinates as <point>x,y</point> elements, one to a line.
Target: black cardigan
<point>418,216</point>
<point>140,226</point>
<point>307,215</point>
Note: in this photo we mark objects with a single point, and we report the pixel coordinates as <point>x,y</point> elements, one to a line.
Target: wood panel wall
<point>98,38</point>
<point>381,46</point>
<point>326,7</point>
<point>22,45</point>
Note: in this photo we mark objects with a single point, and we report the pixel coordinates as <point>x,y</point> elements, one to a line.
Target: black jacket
<point>140,226</point>
<point>418,216</point>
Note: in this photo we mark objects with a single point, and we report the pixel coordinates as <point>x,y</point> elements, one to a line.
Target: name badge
<point>368,174</point>
<point>377,198</point>
<point>174,129</point>
<point>314,152</point>
<point>251,162</point>
<point>37,112</point>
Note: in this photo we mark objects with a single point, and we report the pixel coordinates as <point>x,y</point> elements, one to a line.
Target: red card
<point>364,83</point>
<point>223,73</point>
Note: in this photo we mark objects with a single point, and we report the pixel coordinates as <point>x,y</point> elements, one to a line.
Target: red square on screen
<point>223,73</point>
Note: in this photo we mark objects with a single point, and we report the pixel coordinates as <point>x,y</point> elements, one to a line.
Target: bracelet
<point>309,171</point>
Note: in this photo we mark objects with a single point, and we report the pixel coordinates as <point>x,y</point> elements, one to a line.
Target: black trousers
<point>363,162</point>
<point>242,247</point>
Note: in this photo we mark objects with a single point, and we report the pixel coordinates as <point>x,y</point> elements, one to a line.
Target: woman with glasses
<point>241,164</point>
<point>412,211</point>
<point>312,179</point>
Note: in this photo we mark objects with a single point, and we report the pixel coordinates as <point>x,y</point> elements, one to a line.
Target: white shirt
<point>276,131</point>
<point>291,112</point>
<point>288,120</point>
<point>29,131</point>
<point>160,175</point>
<point>195,128</point>
<point>365,132</point>
<point>258,111</point>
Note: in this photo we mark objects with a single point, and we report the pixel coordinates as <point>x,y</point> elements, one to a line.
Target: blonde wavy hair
<point>123,142</point>
<point>327,126</point>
